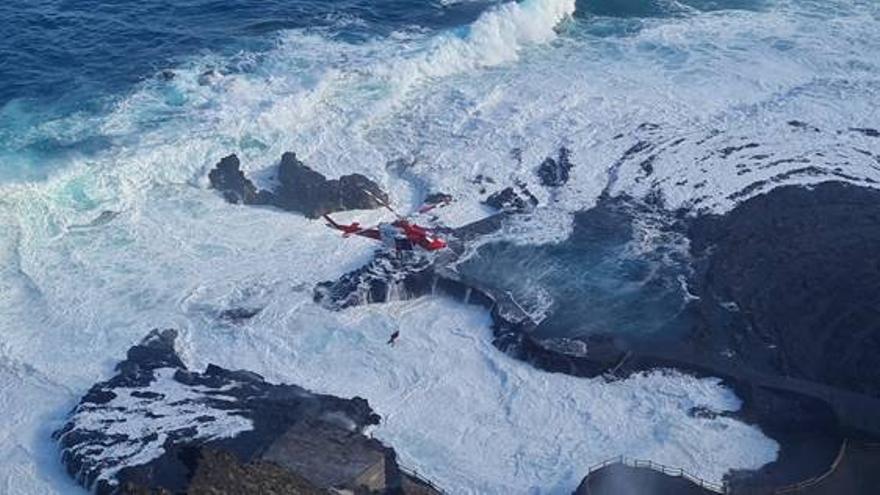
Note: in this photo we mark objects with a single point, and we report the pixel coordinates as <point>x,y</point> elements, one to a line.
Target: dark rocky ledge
<point>518,199</point>
<point>157,427</point>
<point>300,188</point>
<point>790,283</point>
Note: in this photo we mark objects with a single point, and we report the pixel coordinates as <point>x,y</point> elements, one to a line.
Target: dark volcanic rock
<point>157,426</point>
<point>438,198</point>
<point>301,189</point>
<point>389,276</point>
<point>218,471</point>
<point>238,315</point>
<point>556,172</point>
<point>510,199</point>
<point>790,281</point>
<point>304,190</point>
<point>228,178</point>
<point>867,131</point>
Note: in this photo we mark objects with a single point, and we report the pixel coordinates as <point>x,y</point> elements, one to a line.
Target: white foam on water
<point>477,421</point>
<point>497,37</point>
<point>146,423</point>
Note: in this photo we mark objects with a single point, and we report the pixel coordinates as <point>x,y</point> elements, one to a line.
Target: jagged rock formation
<point>389,276</point>
<point>300,188</point>
<point>157,427</point>
<point>510,199</point>
<point>555,172</point>
<point>228,178</point>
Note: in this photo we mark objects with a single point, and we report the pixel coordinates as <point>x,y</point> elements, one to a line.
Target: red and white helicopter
<point>401,234</point>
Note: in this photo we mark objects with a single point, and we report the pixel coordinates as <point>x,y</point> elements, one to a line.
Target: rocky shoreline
<point>799,407</point>
<point>158,427</point>
<point>772,289</point>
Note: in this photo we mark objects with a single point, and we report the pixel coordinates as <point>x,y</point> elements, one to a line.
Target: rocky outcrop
<point>390,276</point>
<point>228,178</point>
<point>158,427</point>
<point>555,172</point>
<point>299,189</point>
<point>784,284</point>
<point>220,472</point>
<point>518,199</point>
<point>304,190</point>
<point>790,282</point>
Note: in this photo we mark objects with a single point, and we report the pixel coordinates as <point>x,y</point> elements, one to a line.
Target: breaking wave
<point>496,37</point>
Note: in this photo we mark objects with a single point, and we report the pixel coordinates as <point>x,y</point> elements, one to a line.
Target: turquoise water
<point>64,65</point>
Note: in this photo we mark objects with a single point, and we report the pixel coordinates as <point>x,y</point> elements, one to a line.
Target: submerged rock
<point>556,172</point>
<point>158,427</point>
<point>300,189</point>
<point>866,131</point>
<point>510,199</point>
<point>438,198</point>
<point>238,315</point>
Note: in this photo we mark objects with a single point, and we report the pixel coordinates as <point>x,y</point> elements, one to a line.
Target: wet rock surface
<point>391,275</point>
<point>718,169</point>
<point>555,172</point>
<point>299,189</point>
<point>228,178</point>
<point>790,282</point>
<point>518,199</point>
<point>157,427</point>
<point>785,284</point>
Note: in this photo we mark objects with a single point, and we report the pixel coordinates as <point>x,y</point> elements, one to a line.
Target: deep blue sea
<point>80,57</point>
<point>57,49</point>
<point>60,58</point>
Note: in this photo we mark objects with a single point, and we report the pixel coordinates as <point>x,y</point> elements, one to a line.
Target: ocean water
<point>112,113</point>
<point>618,272</point>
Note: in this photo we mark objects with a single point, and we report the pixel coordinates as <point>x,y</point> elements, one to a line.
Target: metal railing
<point>414,474</point>
<point>721,488</point>
<point>815,480</point>
<point>660,468</point>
